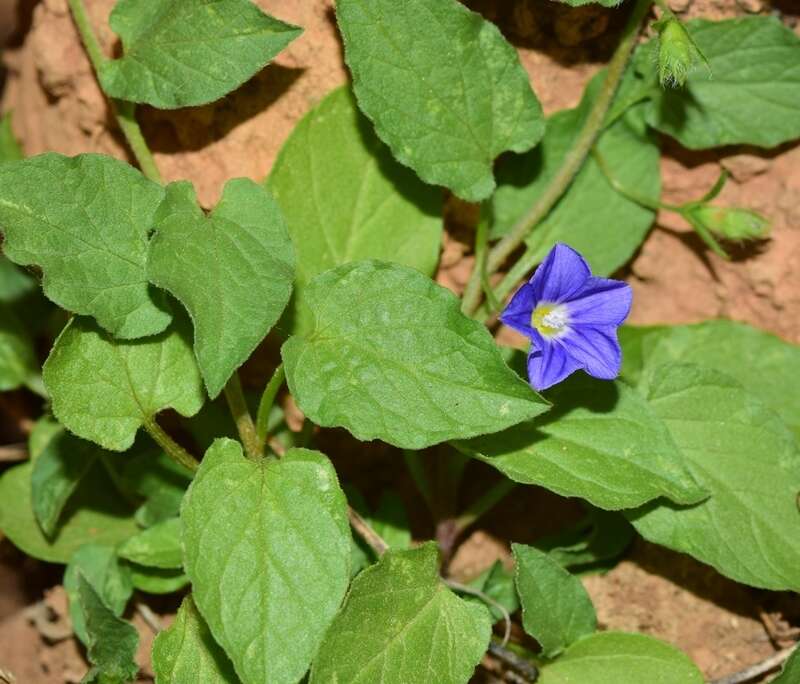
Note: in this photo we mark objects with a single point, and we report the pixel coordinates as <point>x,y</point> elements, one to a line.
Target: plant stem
<point>370,536</point>
<point>267,401</point>
<point>488,600</point>
<point>484,503</point>
<point>572,163</point>
<point>124,112</point>
<point>241,416</point>
<point>174,450</point>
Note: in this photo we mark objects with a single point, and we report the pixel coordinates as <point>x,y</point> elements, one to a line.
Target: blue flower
<point>571,318</point>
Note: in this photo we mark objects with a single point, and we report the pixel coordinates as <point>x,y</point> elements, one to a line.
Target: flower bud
<point>677,53</point>
<point>732,223</point>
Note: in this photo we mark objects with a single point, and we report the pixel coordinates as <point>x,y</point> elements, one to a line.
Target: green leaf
<point>790,673</point>
<point>771,366</point>
<point>112,641</point>
<point>44,430</point>
<point>95,513</point>
<point>232,270</point>
<point>601,442</point>
<point>18,364</point>
<point>57,472</point>
<point>104,389</point>
<point>744,455</point>
<point>9,147</point>
<point>164,504</point>
<point>157,580</point>
<point>446,109</point>
<point>186,653</point>
<point>556,610</point>
<point>390,521</point>
<point>15,284</point>
<point>184,53</point>
<point>110,579</point>
<point>84,221</point>
<point>392,357</point>
<point>592,544</point>
<point>267,547</point>
<point>631,155</point>
<point>149,471</point>
<point>158,546</point>
<point>619,658</point>
<point>401,624</point>
<point>748,94</point>
<point>345,198</point>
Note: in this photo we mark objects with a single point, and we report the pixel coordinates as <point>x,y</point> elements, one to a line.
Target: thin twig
<point>572,163</point>
<point>370,536</point>
<point>10,453</point>
<point>465,589</point>
<point>149,617</point>
<point>762,668</point>
<point>124,112</point>
<point>237,404</point>
<point>520,665</point>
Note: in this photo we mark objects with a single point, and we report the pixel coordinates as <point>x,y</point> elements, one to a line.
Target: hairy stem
<point>363,529</point>
<point>267,401</point>
<point>124,112</point>
<point>241,416</point>
<point>174,450</point>
<point>572,163</point>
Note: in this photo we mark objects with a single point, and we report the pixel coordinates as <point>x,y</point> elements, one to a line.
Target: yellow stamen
<point>549,319</point>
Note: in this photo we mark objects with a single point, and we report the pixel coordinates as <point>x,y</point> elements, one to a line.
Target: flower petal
<point>595,349</point>
<point>562,273</point>
<point>600,301</point>
<point>549,364</point>
<point>517,314</point>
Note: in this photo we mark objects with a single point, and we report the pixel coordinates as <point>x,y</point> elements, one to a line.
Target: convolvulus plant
<point>686,435</point>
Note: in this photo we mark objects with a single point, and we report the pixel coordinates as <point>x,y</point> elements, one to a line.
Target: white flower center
<point>549,319</point>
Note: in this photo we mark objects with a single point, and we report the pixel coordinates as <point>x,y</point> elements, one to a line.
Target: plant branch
<point>124,112</point>
<point>241,416</point>
<point>363,529</point>
<point>483,504</point>
<point>572,163</point>
<point>465,589</point>
<point>174,450</point>
<point>527,669</point>
<point>755,671</point>
<point>267,401</point>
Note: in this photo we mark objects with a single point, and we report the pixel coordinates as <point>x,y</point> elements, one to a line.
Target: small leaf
<point>110,579</point>
<point>392,357</point>
<point>790,673</point>
<point>57,472</point>
<point>184,53</point>
<point>186,653</point>
<point>401,624</point>
<point>601,442</point>
<point>18,364</point>
<point>629,151</point>
<point>15,284</point>
<point>619,658</point>
<point>112,641</point>
<point>157,580</point>
<point>9,147</point>
<point>164,504</point>
<point>104,389</point>
<point>592,544</point>
<point>771,366</point>
<point>345,198</point>
<point>556,610</point>
<point>84,221</point>
<point>390,521</point>
<point>748,94</point>
<point>95,513</point>
<point>744,455</point>
<point>267,547</point>
<point>233,271</point>
<point>446,109</point>
<point>158,546</point>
